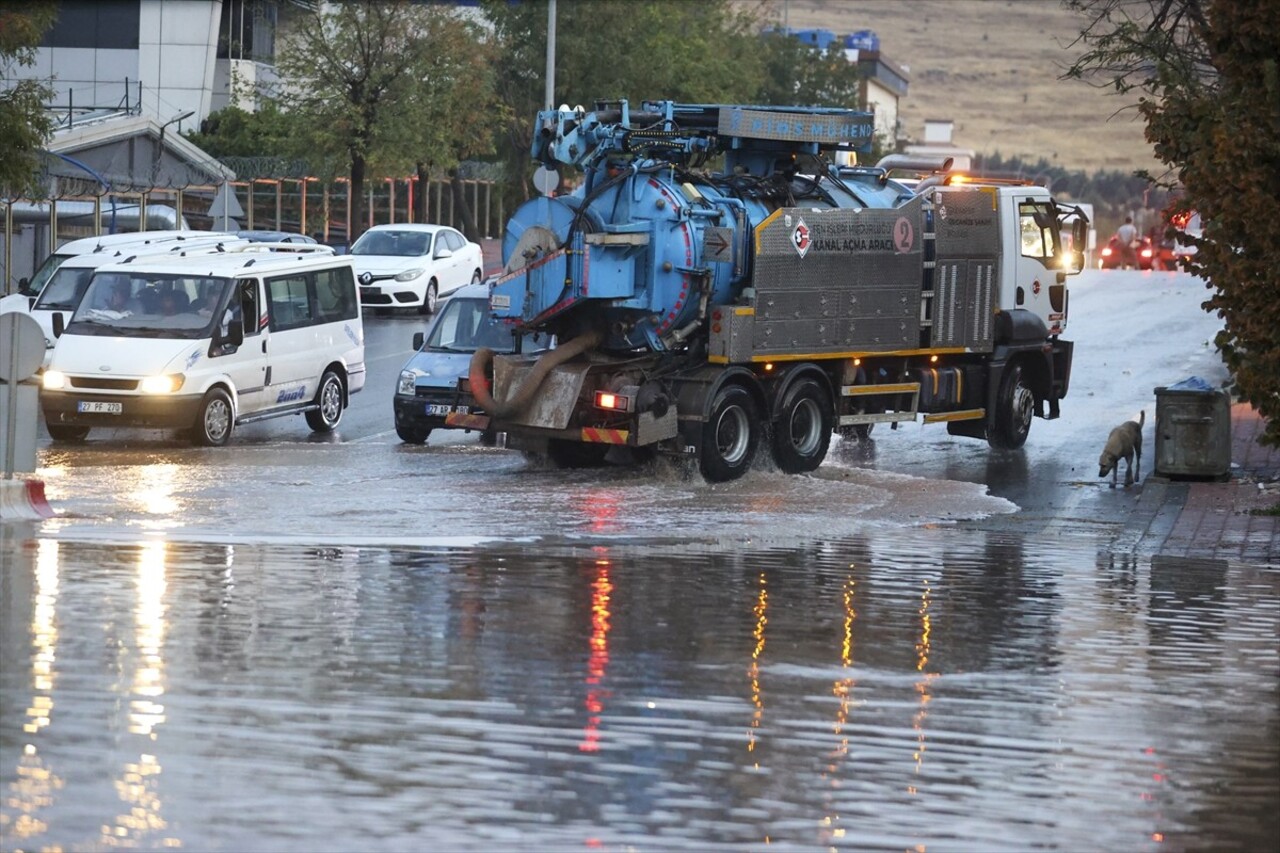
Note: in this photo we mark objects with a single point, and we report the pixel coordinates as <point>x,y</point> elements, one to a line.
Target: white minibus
<point>207,342</point>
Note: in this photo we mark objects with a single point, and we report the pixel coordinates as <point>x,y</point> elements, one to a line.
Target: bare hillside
<point>993,67</point>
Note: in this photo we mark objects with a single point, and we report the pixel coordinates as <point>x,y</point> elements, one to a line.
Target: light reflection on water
<point>926,689</point>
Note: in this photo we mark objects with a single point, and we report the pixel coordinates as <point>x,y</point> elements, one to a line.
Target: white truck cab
<point>206,342</point>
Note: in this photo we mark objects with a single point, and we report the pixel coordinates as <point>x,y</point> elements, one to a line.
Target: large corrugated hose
<point>483,358</point>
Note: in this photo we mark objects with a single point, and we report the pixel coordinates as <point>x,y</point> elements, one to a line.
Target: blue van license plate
<point>441,409</point>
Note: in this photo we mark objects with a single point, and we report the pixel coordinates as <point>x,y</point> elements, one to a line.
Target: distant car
<point>274,237</point>
<point>1112,255</point>
<point>412,266</point>
<point>432,383</point>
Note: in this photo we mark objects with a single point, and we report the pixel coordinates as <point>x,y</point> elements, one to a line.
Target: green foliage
<point>234,132</point>
<point>383,85</point>
<point>25,126</point>
<point>1206,78</point>
<point>696,52</point>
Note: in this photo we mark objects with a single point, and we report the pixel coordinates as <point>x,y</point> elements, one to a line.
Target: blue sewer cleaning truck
<point>719,283</point>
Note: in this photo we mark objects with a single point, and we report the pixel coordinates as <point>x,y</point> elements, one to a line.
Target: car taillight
<point>1106,252</point>
<point>1146,253</point>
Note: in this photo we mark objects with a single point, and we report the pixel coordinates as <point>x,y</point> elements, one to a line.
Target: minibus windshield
<point>152,305</point>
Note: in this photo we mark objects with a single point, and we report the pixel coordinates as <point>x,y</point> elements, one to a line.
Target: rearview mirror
<point>441,254</point>
<point>418,338</point>
<point>59,324</point>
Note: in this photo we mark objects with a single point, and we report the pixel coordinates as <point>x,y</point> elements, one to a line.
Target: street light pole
<point>551,55</point>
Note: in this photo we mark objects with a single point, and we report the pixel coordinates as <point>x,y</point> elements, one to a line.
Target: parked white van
<point>66,287</point>
<point>208,342</point>
<point>107,243</point>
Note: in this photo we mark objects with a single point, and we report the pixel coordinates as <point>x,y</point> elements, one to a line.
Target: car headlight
<point>54,380</point>
<point>161,384</point>
<point>405,386</point>
<point>409,275</point>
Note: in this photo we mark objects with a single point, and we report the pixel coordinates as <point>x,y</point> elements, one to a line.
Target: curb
<point>23,499</point>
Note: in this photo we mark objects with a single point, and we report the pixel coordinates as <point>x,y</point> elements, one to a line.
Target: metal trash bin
<point>1193,431</point>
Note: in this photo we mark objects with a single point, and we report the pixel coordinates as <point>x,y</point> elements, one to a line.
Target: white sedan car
<point>412,266</point>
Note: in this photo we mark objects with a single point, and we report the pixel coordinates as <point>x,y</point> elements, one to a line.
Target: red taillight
<point>613,402</point>
<point>1106,253</point>
<point>1146,253</point>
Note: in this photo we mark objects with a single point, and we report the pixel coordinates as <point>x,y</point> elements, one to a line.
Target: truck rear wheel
<point>1015,405</point>
<point>730,436</point>
<point>802,433</point>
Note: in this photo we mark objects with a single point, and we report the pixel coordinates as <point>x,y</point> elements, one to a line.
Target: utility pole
<point>551,56</point>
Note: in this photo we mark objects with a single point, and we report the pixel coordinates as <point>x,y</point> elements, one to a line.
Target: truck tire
<point>325,417</point>
<point>802,432</point>
<point>68,432</point>
<point>215,420</point>
<point>576,454</point>
<point>1015,405</point>
<point>730,436</point>
<point>413,435</point>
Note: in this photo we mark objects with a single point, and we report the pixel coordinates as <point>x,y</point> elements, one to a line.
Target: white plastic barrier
<point>23,500</point>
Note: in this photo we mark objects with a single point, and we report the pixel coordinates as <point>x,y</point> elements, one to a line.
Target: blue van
<point>432,383</point>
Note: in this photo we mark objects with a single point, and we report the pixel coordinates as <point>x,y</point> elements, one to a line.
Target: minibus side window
<point>335,295</point>
<point>288,304</point>
<point>247,307</point>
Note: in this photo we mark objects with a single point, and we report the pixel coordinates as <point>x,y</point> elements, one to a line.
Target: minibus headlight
<point>405,385</point>
<point>409,275</point>
<point>54,380</point>
<point>161,384</point>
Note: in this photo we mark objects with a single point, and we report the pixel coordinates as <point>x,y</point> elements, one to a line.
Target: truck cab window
<point>1039,239</point>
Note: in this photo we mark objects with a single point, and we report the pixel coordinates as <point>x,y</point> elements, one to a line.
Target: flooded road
<point>352,643</point>
<point>917,688</point>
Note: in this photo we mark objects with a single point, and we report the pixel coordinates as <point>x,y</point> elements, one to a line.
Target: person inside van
<point>118,299</point>
<point>169,303</point>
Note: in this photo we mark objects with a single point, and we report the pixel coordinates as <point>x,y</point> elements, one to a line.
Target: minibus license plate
<point>440,409</point>
<point>94,407</point>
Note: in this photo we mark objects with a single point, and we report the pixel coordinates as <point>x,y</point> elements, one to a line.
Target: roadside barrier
<point>23,499</point>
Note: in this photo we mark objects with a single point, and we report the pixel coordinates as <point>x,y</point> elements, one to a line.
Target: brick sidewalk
<point>1215,520</point>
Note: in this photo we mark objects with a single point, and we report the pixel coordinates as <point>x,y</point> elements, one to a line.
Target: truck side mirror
<point>1079,239</point>
<point>59,324</point>
<point>418,338</point>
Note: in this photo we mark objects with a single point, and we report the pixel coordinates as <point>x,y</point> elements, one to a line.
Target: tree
<point>377,83</point>
<point>1206,75</point>
<point>25,126</point>
<point>703,52</point>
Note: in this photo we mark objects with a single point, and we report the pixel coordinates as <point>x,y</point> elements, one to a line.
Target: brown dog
<point>1125,442</point>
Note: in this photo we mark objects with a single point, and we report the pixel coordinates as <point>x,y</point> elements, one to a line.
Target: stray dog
<point>1125,442</point>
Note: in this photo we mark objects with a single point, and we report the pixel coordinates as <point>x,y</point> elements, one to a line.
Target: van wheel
<point>329,401</point>
<point>430,298</point>
<point>68,432</point>
<point>214,421</point>
<point>413,435</point>
<point>802,432</point>
<point>730,436</point>
<point>1015,405</point>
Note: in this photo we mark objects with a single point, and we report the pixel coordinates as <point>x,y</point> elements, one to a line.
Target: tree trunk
<point>356,188</point>
<point>420,200</point>
<point>463,208</point>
